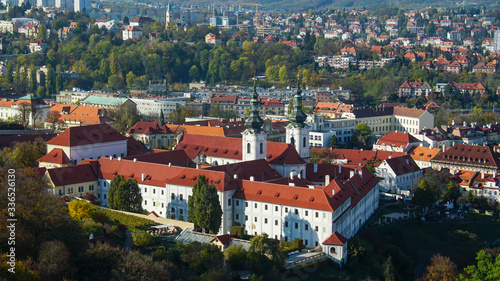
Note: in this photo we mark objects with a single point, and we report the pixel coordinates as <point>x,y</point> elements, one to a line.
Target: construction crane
<point>256,10</point>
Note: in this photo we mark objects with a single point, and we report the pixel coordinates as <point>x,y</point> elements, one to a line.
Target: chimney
<point>390,156</point>
<point>252,178</point>
<point>351,174</point>
<point>291,184</point>
<point>292,175</point>
<point>169,165</point>
<point>135,160</point>
<point>110,158</point>
<point>452,171</point>
<point>482,175</point>
<point>311,186</point>
<point>299,176</point>
<point>235,176</point>
<point>119,158</point>
<point>327,179</point>
<point>143,176</point>
<point>360,173</point>
<point>315,167</point>
<point>340,169</point>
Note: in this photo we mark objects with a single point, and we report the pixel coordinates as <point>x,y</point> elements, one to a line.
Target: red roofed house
<point>56,158</point>
<point>470,88</point>
<point>152,134</point>
<point>413,89</point>
<point>335,246</point>
<point>398,174</point>
<point>38,46</point>
<point>92,141</point>
<point>396,141</point>
<point>76,180</point>
<point>131,32</point>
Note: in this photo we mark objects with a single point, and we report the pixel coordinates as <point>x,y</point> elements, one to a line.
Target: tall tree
<point>262,247</point>
<point>362,137</point>
<point>10,71</point>
<point>59,83</point>
<point>488,268</point>
<point>204,207</point>
<point>49,81</point>
<point>32,79</point>
<point>124,195</point>
<point>113,64</point>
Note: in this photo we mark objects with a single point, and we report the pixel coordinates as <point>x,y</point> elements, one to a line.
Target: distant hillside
<point>305,5</point>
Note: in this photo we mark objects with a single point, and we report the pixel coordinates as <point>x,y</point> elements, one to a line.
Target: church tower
<point>297,132</point>
<point>254,138</point>
<point>168,16</point>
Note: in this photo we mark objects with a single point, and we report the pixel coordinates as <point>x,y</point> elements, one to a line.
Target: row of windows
<point>276,208</point>
<point>296,225</point>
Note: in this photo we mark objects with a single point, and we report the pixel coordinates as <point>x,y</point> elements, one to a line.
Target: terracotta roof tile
<point>335,239</point>
<point>87,135</point>
<point>56,155</point>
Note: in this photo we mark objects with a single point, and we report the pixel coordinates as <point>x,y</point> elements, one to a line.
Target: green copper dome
<point>254,122</point>
<point>297,116</point>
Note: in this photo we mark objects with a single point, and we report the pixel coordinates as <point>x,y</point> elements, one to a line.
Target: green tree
<point>42,32</point>
<point>59,83</point>
<point>487,268</point>
<point>283,74</point>
<point>124,195</point>
<point>236,256</point>
<point>424,195</point>
<point>113,64</point>
<point>10,71</point>
<point>81,210</point>
<point>204,207</point>
<point>40,91</point>
<point>362,137</point>
<point>49,81</point>
<point>194,73</point>
<point>333,142</point>
<point>131,79</point>
<point>272,72</point>
<point>262,247</point>
<point>32,80</point>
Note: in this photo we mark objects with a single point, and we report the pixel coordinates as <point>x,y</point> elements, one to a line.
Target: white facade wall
<point>152,107</point>
<point>93,151</point>
<point>300,138</point>
<point>254,146</point>
<point>396,183</point>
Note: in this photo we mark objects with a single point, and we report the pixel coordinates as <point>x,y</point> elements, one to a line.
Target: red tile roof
<point>335,239</point>
<point>90,134</point>
<point>56,155</point>
<point>188,177</point>
<point>72,175</point>
<point>135,147</point>
<point>397,139</point>
<point>356,157</point>
<point>149,128</point>
<point>224,239</point>
<point>283,153</point>
<point>259,169</point>
<point>10,141</point>
<point>469,155</point>
<point>173,157</point>
<point>403,165</point>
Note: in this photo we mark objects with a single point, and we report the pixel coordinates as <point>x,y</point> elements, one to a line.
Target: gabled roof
<point>188,177</point>
<point>10,141</point>
<point>397,139</point>
<point>402,165</point>
<point>224,239</point>
<point>173,157</point>
<point>283,153</point>
<point>149,128</point>
<point>90,134</point>
<point>470,155</point>
<point>422,153</point>
<point>135,147</point>
<point>72,175</point>
<point>214,146</point>
<point>154,174</point>
<point>259,169</point>
<point>335,239</point>
<point>56,155</point>
<point>357,157</point>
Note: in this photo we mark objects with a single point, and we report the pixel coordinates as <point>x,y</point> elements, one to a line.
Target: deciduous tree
<point>124,194</point>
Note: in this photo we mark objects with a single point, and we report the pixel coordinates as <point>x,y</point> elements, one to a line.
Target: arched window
<point>248,147</point>
<point>332,250</point>
<point>304,142</point>
<point>261,148</point>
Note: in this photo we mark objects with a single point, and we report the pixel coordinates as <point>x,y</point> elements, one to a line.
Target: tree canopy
<point>204,207</point>
<point>124,195</point>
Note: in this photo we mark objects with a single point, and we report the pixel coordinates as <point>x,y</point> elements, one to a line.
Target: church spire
<point>297,116</point>
<point>254,122</point>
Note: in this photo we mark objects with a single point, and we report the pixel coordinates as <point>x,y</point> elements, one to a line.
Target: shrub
<point>141,238</point>
<point>298,244</point>
<point>90,226</point>
<point>238,231</point>
<point>100,217</point>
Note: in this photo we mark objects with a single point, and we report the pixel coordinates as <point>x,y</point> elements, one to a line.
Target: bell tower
<point>254,138</point>
<point>297,132</point>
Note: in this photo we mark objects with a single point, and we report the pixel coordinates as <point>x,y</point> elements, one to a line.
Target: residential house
<point>399,174</point>
<point>396,141</point>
